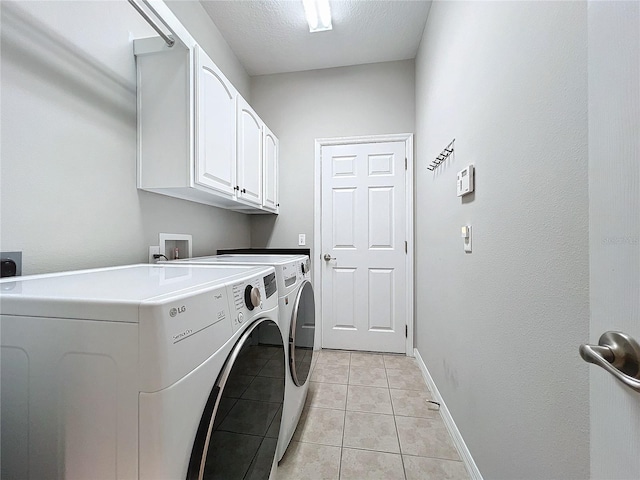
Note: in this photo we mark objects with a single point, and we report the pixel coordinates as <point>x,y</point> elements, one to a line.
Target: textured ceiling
<point>273,36</point>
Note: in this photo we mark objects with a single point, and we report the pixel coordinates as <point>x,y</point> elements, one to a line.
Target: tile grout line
<point>344,421</point>
<point>436,458</point>
<point>404,470</point>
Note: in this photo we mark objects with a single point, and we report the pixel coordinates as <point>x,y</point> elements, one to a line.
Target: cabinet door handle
<point>244,190</point>
<point>236,187</point>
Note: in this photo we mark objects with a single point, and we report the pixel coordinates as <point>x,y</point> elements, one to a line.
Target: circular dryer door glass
<point>238,433</point>
<point>301,337</point>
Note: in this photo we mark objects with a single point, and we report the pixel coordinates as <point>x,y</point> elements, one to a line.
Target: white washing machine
<point>143,371</point>
<point>297,324</point>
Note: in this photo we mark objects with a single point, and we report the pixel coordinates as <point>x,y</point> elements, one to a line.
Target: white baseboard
<point>458,441</point>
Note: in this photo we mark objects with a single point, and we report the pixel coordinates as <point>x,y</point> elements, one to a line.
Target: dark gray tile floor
<point>367,417</point>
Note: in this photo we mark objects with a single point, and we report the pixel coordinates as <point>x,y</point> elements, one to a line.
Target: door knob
<point>328,257</point>
<point>618,354</point>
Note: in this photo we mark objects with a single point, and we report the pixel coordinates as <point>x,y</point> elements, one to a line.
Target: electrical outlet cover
<point>153,250</point>
<point>17,259</point>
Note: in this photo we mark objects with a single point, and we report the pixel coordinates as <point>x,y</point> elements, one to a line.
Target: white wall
<point>499,328</point>
<point>68,177</point>
<point>337,102</point>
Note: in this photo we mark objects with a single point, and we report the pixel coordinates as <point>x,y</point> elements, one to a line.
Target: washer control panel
<point>252,297</point>
<point>270,284</point>
<point>305,267</point>
<point>289,274</point>
<point>243,295</point>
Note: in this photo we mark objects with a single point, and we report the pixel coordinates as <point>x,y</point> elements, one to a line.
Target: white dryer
<point>297,323</point>
<point>141,371</point>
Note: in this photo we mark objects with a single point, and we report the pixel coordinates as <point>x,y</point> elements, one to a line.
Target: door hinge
<point>406,331</point>
<point>406,247</point>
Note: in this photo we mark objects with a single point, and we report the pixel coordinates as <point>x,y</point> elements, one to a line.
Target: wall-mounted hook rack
<point>448,150</point>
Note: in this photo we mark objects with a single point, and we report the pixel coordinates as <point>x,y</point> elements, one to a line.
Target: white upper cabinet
<point>270,171</point>
<point>249,135</point>
<point>215,122</point>
<point>198,139</point>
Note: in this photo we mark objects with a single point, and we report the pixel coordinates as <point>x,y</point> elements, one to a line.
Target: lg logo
<point>175,311</point>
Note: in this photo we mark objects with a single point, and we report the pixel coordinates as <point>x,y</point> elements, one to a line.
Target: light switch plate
<point>467,239</point>
<point>302,240</point>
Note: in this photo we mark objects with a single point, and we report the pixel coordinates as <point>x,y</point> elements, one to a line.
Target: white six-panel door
<point>363,235</point>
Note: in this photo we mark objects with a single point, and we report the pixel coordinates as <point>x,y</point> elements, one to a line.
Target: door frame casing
<point>316,260</point>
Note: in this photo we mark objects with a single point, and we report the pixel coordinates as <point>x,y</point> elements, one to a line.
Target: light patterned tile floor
<point>367,417</point>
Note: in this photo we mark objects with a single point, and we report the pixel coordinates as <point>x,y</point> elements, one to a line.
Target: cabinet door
<point>249,153</point>
<point>215,156</point>
<point>270,151</point>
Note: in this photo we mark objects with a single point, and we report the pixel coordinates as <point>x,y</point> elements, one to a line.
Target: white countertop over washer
<point>289,268</point>
<point>114,293</point>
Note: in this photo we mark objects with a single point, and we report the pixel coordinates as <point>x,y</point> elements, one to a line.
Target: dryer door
<point>238,432</point>
<point>302,334</point>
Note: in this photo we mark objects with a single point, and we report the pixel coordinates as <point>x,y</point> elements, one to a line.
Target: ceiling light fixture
<point>318,15</point>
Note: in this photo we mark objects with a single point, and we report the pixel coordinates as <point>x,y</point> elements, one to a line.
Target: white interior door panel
<point>364,269</point>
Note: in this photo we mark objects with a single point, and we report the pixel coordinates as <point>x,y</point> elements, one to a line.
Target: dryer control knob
<point>240,317</point>
<point>252,297</point>
<point>256,299</point>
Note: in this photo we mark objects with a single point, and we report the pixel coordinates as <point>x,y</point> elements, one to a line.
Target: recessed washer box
<point>175,245</point>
